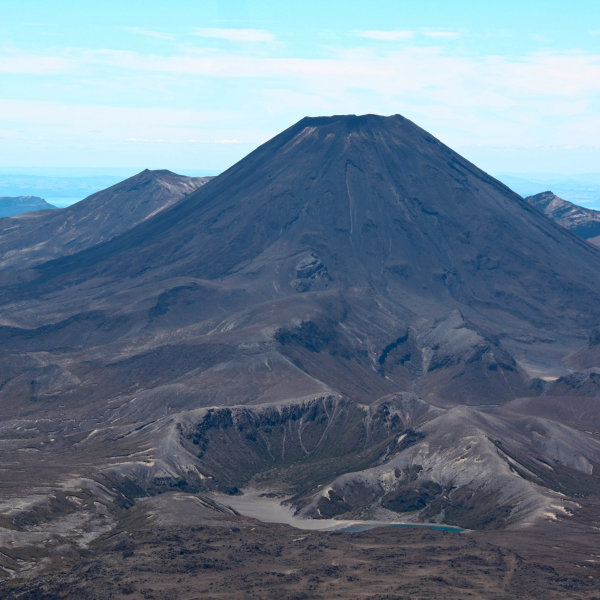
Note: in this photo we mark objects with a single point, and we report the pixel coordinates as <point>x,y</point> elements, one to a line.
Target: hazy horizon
<point>105,91</point>
<point>65,186</point>
<point>176,86</point>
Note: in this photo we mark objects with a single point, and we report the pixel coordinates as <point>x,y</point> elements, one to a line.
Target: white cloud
<point>537,75</point>
<point>540,39</point>
<point>431,73</point>
<point>107,122</point>
<point>397,35</point>
<point>548,98</point>
<point>31,64</point>
<point>442,35</point>
<point>236,35</point>
<point>394,35</point>
<point>149,33</point>
<point>180,141</point>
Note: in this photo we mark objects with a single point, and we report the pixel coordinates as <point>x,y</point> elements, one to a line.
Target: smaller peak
<point>547,196</point>
<point>543,195</point>
<point>350,121</point>
<point>547,201</point>
<point>154,173</point>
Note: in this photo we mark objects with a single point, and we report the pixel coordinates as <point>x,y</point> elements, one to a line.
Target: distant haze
<point>582,189</point>
<point>63,186</point>
<point>510,85</point>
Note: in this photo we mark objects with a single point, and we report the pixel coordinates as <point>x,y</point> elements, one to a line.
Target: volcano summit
<point>353,317</point>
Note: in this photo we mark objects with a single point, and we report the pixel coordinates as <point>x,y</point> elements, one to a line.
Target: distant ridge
<point>11,206</point>
<point>585,222</point>
<point>33,238</point>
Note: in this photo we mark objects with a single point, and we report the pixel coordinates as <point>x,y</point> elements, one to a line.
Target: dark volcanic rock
<point>585,222</point>
<point>341,315</point>
<point>12,206</point>
<point>35,238</point>
<point>360,248</point>
<point>368,225</point>
<point>373,202</point>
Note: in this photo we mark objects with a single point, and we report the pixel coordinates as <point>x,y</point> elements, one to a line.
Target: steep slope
<point>585,222</point>
<point>32,239</point>
<point>11,206</point>
<point>363,231</point>
<point>375,202</point>
<point>333,316</point>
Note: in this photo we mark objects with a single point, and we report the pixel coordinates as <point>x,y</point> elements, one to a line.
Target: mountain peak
<point>367,202</point>
<point>543,199</point>
<point>95,219</point>
<point>584,222</point>
<point>152,173</point>
<point>352,121</point>
<point>349,282</point>
<point>13,206</point>
<point>367,124</point>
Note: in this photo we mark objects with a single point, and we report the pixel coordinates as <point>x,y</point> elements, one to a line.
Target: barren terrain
<point>353,319</point>
<point>227,556</point>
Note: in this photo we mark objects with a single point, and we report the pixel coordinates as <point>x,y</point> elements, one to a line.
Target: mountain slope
<point>584,222</point>
<point>339,318</point>
<point>12,206</point>
<point>32,239</point>
<point>367,217</point>
<point>378,202</point>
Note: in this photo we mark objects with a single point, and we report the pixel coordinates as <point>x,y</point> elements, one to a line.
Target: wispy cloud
<point>149,33</point>
<point>541,39</point>
<point>109,122</point>
<point>544,98</point>
<point>537,75</point>
<point>29,64</point>
<point>145,140</point>
<point>236,35</point>
<point>383,35</point>
<point>399,35</point>
<point>442,35</point>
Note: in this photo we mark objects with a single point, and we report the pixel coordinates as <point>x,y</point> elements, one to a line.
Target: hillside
<point>34,238</point>
<point>582,221</point>
<point>353,318</point>
<point>12,206</point>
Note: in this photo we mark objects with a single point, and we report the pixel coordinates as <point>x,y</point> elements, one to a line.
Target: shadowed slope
<point>11,206</point>
<point>431,267</point>
<point>371,201</point>
<point>346,263</point>
<point>584,222</point>
<point>34,238</point>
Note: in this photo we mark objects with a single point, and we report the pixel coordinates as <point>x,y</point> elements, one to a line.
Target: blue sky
<point>196,85</point>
